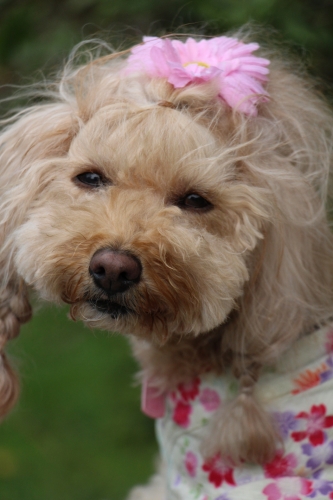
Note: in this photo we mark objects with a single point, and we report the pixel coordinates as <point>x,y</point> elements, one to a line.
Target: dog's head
<point>159,211</point>
<point>136,225</point>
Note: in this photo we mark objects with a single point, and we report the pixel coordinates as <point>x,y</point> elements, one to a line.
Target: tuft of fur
<point>232,287</point>
<point>14,310</point>
<point>242,431</point>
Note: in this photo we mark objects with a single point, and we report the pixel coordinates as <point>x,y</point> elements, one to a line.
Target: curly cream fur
<point>234,286</point>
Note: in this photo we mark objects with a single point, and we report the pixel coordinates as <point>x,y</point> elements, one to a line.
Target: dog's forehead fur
<point>157,147</point>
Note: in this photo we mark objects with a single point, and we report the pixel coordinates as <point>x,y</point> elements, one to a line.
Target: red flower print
<point>281,465</point>
<point>181,414</point>
<point>316,421</point>
<point>330,495</point>
<point>308,379</point>
<point>182,397</point>
<point>189,391</point>
<point>218,471</point>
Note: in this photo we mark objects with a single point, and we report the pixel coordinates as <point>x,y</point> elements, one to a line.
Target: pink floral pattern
<point>209,399</point>
<point>191,463</point>
<point>329,342</point>
<point>302,467</point>
<point>289,488</point>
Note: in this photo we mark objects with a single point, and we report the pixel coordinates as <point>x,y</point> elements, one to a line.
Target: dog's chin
<point>110,308</point>
<point>113,313</point>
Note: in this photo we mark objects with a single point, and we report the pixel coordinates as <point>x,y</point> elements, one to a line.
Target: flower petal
<point>241,74</point>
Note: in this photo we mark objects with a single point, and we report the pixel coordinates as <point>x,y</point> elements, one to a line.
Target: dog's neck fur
<point>181,359</point>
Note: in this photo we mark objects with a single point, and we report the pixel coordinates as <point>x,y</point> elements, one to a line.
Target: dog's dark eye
<point>194,201</point>
<point>91,179</point>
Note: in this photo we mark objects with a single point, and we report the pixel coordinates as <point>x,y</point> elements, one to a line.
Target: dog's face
<point>144,226</point>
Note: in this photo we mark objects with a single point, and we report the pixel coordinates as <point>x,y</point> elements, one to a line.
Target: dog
<point>175,192</point>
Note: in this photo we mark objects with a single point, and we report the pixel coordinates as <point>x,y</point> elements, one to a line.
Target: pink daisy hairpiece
<point>240,74</point>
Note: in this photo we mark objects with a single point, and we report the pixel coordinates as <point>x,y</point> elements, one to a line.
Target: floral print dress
<point>299,393</point>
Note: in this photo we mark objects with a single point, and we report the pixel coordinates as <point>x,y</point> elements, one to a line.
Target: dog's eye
<point>91,179</point>
<point>195,202</point>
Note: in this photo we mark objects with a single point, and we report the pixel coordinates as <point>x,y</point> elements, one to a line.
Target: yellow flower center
<point>199,63</point>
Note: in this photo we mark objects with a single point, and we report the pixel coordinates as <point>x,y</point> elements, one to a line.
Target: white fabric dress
<point>299,393</point>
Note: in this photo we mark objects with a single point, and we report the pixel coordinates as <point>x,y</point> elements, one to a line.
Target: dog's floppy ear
<point>290,291</point>
<point>14,310</point>
<point>27,143</point>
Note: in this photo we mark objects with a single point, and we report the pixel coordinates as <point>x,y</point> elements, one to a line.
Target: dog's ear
<point>27,142</point>
<point>290,295</point>
<point>290,290</point>
<point>14,310</point>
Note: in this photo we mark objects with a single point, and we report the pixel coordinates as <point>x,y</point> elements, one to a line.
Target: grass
<point>77,431</point>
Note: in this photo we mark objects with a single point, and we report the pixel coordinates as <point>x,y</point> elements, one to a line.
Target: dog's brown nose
<point>114,271</point>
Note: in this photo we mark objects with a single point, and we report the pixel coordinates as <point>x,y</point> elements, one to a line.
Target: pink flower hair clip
<point>239,73</point>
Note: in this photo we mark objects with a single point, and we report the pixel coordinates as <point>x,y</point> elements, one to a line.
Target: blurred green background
<point>77,432</point>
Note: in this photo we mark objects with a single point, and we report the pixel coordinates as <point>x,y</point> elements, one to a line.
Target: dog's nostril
<point>114,271</point>
<point>100,271</point>
<point>124,276</point>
